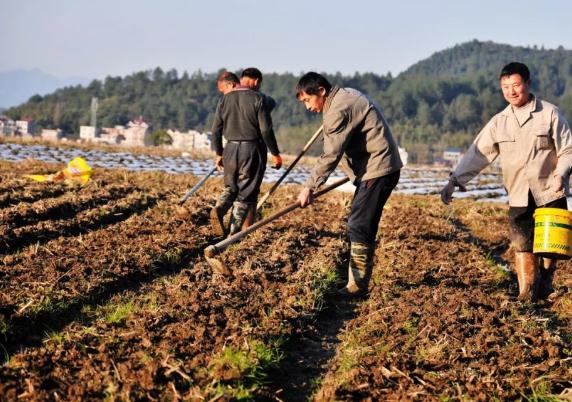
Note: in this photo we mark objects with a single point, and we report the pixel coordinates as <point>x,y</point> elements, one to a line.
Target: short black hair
<point>516,68</point>
<point>311,82</point>
<point>227,76</point>
<point>252,72</point>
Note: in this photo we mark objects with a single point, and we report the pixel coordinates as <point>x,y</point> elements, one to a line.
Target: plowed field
<point>105,295</point>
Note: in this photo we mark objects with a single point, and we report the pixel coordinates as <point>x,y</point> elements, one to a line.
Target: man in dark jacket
<point>251,77</point>
<point>357,134</point>
<point>241,118</point>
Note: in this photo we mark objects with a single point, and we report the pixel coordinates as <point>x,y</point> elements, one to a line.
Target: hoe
<point>212,251</point>
<point>196,186</point>
<point>275,185</point>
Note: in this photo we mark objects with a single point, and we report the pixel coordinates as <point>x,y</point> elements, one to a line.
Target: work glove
<point>276,161</point>
<point>447,191</point>
<point>305,197</point>
<point>219,164</point>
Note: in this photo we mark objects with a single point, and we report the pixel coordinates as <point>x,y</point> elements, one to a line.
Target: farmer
<point>240,117</point>
<point>251,77</point>
<point>534,142</point>
<point>357,134</point>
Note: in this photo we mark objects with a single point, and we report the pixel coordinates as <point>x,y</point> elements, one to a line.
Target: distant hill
<point>19,85</point>
<point>439,102</point>
<point>477,57</point>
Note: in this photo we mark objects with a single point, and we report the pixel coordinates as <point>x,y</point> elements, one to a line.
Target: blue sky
<point>96,38</point>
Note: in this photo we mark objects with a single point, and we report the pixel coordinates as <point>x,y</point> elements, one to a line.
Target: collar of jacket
<point>331,95</point>
<point>531,105</point>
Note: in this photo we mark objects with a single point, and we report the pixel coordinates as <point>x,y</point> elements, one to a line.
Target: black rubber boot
<point>239,212</point>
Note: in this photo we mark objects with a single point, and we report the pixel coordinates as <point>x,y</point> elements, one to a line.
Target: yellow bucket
<point>553,233</point>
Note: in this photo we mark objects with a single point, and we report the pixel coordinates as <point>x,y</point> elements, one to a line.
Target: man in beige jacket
<point>357,134</point>
<point>534,142</point>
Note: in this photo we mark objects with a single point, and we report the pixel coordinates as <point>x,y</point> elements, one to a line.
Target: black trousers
<point>244,166</point>
<point>367,205</point>
<point>521,222</point>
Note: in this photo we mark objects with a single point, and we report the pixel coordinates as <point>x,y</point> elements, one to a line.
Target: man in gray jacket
<point>534,142</point>
<point>357,134</point>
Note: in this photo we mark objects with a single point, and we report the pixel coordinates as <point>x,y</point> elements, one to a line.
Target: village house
<point>9,127</point>
<point>191,139</point>
<point>52,135</point>
<point>452,156</point>
<point>136,134</point>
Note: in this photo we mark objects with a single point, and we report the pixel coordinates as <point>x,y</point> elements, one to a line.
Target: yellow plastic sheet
<point>77,171</point>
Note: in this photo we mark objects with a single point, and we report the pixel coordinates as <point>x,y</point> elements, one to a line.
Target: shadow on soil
<point>30,331</point>
<point>308,353</point>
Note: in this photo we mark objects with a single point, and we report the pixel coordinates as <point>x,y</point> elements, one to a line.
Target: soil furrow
<point>64,207</point>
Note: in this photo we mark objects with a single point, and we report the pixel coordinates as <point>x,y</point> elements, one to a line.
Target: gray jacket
<point>357,134</point>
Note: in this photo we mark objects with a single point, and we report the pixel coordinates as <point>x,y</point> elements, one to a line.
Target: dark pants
<point>369,199</point>
<point>521,221</point>
<point>244,165</point>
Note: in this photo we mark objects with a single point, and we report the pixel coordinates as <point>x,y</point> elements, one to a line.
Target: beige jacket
<point>357,134</point>
<point>534,143</point>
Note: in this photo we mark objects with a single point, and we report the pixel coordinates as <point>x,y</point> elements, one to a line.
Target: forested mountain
<point>441,101</point>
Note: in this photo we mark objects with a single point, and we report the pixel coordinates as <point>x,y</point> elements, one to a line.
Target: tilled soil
<point>105,294</point>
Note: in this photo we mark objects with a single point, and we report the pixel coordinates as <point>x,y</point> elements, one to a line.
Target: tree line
<point>440,102</point>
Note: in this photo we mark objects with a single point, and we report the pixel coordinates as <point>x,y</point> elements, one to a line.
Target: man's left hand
<point>219,163</point>
<point>557,183</point>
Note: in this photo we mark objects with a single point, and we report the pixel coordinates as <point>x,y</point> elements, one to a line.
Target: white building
<point>87,133</point>
<point>52,135</point>
<point>24,127</point>
<point>7,126</point>
<point>137,133</point>
<point>192,139</point>
<point>452,156</point>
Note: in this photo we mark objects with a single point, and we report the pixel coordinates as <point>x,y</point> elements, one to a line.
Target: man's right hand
<point>219,164</point>
<point>276,161</point>
<point>447,192</point>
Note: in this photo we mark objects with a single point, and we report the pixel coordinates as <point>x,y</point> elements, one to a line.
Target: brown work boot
<point>526,267</point>
<point>217,222</point>
<point>359,270</point>
<point>223,204</point>
<point>250,217</point>
<point>547,269</point>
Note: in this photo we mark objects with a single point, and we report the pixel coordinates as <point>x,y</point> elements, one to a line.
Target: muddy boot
<point>250,217</point>
<point>239,212</point>
<point>359,271</point>
<point>526,267</point>
<point>547,268</point>
<point>221,207</point>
